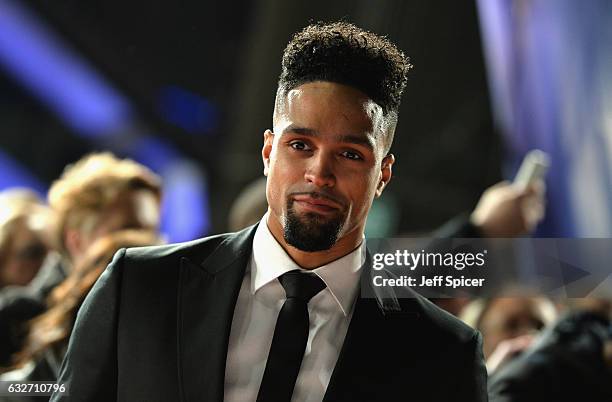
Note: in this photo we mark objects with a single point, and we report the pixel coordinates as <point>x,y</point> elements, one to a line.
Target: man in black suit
<point>273,313</point>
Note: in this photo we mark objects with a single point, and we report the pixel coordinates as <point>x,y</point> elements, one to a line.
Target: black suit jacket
<point>156,325</point>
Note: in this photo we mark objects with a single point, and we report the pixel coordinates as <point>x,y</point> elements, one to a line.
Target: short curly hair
<point>343,53</point>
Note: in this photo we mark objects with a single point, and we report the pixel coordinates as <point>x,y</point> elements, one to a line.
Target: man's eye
<point>351,155</point>
<point>299,146</point>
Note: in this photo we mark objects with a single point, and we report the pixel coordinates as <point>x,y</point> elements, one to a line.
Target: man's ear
<point>385,174</point>
<point>266,151</point>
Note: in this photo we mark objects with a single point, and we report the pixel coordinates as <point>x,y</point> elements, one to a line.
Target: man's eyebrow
<point>300,130</point>
<point>347,138</point>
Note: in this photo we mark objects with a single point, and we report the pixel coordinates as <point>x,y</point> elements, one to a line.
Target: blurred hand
<point>507,350</point>
<point>506,211</point>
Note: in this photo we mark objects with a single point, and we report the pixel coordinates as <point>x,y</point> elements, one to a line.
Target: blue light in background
<point>35,57</point>
<point>187,110</point>
<point>550,73</point>
<point>185,196</point>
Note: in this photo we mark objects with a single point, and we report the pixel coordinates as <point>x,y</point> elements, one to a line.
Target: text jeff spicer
<point>436,281</point>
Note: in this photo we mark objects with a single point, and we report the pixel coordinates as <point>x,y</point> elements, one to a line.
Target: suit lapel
<point>206,300</point>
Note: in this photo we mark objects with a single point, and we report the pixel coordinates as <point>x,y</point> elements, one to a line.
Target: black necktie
<point>290,337</point>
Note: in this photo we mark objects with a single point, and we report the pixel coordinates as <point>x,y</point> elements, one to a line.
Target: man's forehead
<point>323,99</point>
<point>331,89</point>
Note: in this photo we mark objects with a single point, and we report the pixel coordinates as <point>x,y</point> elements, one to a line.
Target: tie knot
<point>301,285</point>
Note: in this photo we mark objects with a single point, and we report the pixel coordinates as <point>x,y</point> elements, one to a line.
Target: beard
<point>310,231</point>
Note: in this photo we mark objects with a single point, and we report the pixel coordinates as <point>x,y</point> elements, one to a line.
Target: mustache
<point>321,195</point>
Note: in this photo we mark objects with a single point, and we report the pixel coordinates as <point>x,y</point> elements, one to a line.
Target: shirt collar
<point>271,261</point>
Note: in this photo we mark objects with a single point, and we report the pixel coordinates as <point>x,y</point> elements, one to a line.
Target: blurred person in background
<point>503,210</point>
<point>48,334</point>
<point>23,242</point>
<point>508,325</point>
<point>97,195</point>
<point>24,248</point>
<point>571,361</point>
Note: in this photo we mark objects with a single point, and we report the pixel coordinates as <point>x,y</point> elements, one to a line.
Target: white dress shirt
<point>259,302</point>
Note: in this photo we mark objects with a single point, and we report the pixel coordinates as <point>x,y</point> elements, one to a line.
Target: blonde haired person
<point>100,194</point>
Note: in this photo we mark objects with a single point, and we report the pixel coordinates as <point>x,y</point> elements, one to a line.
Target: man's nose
<point>320,171</point>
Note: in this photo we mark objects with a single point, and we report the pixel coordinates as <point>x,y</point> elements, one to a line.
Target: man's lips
<point>316,204</point>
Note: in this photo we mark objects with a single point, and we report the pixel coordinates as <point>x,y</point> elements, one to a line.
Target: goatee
<point>310,231</point>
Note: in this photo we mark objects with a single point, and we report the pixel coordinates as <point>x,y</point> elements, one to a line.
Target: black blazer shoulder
<point>156,265</point>
<point>199,249</point>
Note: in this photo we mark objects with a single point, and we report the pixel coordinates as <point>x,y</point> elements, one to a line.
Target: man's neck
<point>314,259</point>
